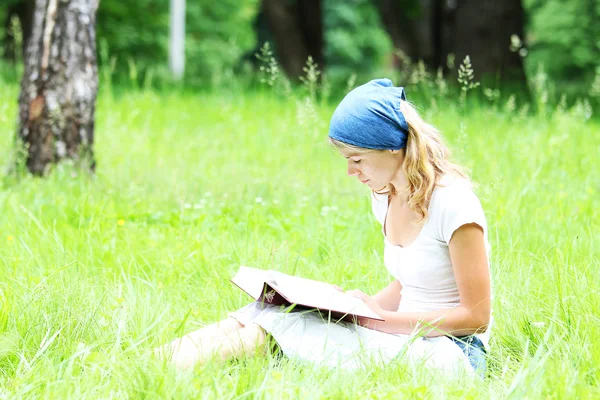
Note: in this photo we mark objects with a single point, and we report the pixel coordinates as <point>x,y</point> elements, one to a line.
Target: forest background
<point>230,166</point>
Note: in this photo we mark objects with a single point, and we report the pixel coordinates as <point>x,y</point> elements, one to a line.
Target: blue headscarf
<point>370,117</point>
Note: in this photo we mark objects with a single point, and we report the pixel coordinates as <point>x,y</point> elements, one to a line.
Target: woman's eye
<point>357,161</point>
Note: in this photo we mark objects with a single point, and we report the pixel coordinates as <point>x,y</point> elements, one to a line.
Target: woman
<point>437,308</point>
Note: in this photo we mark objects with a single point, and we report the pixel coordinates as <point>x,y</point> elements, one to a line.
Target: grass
<point>96,271</point>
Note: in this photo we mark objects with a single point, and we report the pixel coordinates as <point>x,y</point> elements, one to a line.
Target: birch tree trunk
<point>177,38</point>
<point>59,85</point>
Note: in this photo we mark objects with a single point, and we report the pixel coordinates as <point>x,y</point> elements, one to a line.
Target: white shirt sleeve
<point>459,206</point>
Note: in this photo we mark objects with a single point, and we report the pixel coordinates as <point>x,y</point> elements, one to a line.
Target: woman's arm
<point>470,264</point>
<point>388,298</point>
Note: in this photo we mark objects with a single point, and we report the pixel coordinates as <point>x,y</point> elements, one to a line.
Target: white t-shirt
<point>424,267</point>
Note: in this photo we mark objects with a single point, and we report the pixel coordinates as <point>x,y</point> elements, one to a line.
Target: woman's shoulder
<point>452,187</point>
<point>453,204</point>
<point>453,193</point>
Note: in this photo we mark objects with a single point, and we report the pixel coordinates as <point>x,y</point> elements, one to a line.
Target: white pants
<point>308,336</point>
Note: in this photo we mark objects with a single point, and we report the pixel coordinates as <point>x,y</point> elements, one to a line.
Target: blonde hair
<point>426,160</point>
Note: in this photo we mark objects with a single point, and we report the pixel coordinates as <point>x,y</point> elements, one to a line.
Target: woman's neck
<point>400,184</point>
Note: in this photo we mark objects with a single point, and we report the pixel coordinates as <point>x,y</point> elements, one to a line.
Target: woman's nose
<point>352,170</point>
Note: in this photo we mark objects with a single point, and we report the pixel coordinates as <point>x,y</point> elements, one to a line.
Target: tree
<point>483,30</point>
<point>297,27</point>
<point>177,38</point>
<point>59,85</point>
<point>429,30</point>
<point>411,28</point>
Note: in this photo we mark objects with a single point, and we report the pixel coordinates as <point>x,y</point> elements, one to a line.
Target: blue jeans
<point>473,348</point>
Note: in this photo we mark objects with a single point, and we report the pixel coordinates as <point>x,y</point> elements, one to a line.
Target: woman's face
<point>376,169</point>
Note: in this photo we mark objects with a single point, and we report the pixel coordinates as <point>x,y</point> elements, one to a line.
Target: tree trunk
<point>297,27</point>
<point>429,30</point>
<point>483,29</point>
<point>59,85</point>
<point>410,24</point>
<point>177,38</point>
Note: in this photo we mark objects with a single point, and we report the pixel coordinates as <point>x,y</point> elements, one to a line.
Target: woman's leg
<point>224,339</point>
<point>220,328</point>
<point>244,342</point>
<point>200,337</point>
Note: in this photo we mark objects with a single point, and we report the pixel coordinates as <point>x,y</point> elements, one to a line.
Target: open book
<point>273,287</point>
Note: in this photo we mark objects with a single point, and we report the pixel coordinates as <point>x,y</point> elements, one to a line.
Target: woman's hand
<point>370,302</point>
<point>336,287</point>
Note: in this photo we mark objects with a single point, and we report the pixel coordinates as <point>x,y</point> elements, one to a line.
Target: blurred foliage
<point>562,43</point>
<point>356,42</point>
<point>5,26</point>
<point>217,35</point>
<point>136,31</point>
<point>563,39</point>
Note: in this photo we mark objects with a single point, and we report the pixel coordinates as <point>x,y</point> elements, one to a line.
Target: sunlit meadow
<point>95,271</point>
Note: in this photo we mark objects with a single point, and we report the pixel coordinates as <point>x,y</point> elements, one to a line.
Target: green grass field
<point>96,271</point>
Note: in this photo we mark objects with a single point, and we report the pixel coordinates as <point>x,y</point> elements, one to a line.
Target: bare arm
<point>388,298</point>
<point>469,261</point>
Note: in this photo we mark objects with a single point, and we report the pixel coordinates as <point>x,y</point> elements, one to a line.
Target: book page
<point>252,280</point>
<point>319,295</point>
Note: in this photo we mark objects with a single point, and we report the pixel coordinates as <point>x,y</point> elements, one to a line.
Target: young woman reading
<point>437,308</point>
